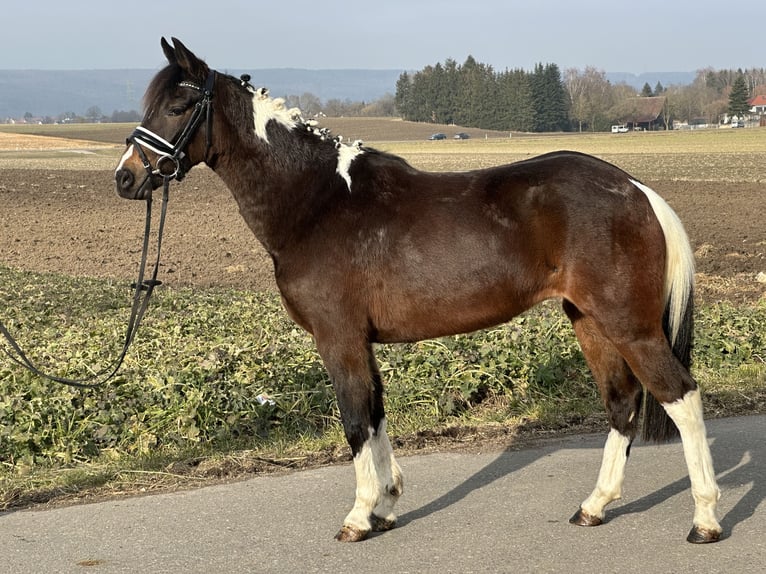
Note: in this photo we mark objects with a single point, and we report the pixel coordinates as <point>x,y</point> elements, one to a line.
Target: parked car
<point>439,136</point>
<point>461,136</point>
<point>621,129</point>
<point>739,124</point>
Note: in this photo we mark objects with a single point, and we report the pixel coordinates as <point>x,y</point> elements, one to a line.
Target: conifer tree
<point>738,97</point>
<point>646,91</point>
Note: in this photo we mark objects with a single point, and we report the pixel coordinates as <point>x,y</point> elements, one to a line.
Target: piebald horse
<point>368,249</point>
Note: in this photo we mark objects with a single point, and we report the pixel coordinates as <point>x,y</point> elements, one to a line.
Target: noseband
<point>173,153</point>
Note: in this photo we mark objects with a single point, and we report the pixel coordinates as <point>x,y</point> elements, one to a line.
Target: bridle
<point>173,153</point>
<point>167,152</point>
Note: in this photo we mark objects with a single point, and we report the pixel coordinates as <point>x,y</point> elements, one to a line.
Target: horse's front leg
<point>359,389</point>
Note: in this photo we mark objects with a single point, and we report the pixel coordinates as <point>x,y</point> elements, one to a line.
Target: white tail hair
<point>679,259</point>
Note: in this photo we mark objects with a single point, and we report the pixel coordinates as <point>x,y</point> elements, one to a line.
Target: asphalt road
<point>500,511</point>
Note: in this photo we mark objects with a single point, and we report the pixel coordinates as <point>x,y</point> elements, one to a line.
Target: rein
<point>167,152</point>
<point>143,291</point>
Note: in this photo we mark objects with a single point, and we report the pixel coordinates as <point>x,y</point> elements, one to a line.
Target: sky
<point>609,35</point>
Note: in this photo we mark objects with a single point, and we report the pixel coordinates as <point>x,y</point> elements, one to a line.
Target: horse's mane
<point>269,108</point>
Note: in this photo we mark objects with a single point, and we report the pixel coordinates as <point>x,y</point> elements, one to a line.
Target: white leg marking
<point>378,482</point>
<point>128,153</point>
<point>687,414</point>
<point>611,475</point>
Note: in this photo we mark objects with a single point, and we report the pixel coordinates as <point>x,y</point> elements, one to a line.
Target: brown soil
<point>71,221</point>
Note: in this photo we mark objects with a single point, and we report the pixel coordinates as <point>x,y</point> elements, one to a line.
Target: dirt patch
<point>71,221</point>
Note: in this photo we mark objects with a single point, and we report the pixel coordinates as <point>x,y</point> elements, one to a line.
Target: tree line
<point>544,99</point>
<point>473,94</point>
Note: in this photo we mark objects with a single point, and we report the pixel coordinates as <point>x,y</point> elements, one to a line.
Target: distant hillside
<point>50,93</point>
<point>637,81</point>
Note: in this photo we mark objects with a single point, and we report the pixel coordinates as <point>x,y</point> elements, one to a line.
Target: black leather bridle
<point>167,152</point>
<point>173,153</point>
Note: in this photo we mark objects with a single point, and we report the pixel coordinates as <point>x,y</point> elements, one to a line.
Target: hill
<point>51,93</point>
<point>637,81</point>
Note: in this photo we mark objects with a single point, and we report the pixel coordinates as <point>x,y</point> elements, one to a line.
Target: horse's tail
<point>678,320</point>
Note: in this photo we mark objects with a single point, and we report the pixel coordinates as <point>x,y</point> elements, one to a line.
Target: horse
<point>369,250</point>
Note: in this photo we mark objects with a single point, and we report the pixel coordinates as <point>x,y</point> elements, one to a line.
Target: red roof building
<point>758,104</point>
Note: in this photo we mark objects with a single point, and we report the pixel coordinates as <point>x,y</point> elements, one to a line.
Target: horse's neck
<point>277,194</point>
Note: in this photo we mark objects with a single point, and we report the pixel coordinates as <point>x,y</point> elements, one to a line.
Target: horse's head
<point>175,132</point>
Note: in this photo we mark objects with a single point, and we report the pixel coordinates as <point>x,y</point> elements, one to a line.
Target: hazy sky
<point>611,35</point>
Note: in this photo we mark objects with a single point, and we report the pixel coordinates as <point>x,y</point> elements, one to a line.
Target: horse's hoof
<point>351,534</point>
<point>381,524</point>
<point>703,536</point>
<point>582,518</point>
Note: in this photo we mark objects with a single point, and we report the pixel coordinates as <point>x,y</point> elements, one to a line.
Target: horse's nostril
<point>125,178</point>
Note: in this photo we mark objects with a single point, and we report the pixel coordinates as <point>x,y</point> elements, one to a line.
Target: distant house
<point>758,104</point>
<point>641,113</point>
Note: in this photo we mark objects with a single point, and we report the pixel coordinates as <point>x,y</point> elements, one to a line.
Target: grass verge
<point>219,383</point>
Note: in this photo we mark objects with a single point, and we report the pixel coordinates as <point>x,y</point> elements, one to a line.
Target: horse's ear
<point>181,55</point>
<point>169,51</point>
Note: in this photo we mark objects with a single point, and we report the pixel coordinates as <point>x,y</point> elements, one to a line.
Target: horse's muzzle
<point>128,188</point>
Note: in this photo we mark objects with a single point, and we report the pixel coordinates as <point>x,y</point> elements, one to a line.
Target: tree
<point>516,110</point>
<point>120,116</point>
<point>93,114</point>
<point>646,91</point>
<point>550,99</point>
<point>590,96</point>
<point>403,96</point>
<point>738,97</point>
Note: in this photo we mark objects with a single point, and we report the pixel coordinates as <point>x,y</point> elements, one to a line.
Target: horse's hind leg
<point>663,375</point>
<point>379,484</point>
<point>621,393</point>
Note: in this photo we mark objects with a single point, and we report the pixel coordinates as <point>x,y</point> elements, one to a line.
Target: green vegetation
<point>219,371</point>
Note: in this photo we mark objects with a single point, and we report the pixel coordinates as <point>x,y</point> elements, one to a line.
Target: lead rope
<point>143,291</point>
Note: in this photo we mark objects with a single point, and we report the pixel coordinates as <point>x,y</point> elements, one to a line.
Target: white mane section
<point>266,109</point>
<point>346,154</point>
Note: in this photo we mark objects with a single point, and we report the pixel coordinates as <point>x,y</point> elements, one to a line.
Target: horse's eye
<point>177,111</point>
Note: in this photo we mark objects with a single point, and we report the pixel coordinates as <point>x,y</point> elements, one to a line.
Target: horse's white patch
<point>686,412</point>
<point>266,109</point>
<point>611,475</point>
<point>346,155</point>
<point>124,158</point>
<point>378,480</point>
<point>679,266</point>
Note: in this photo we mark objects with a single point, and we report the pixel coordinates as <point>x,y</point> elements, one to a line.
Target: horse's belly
<point>404,317</point>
